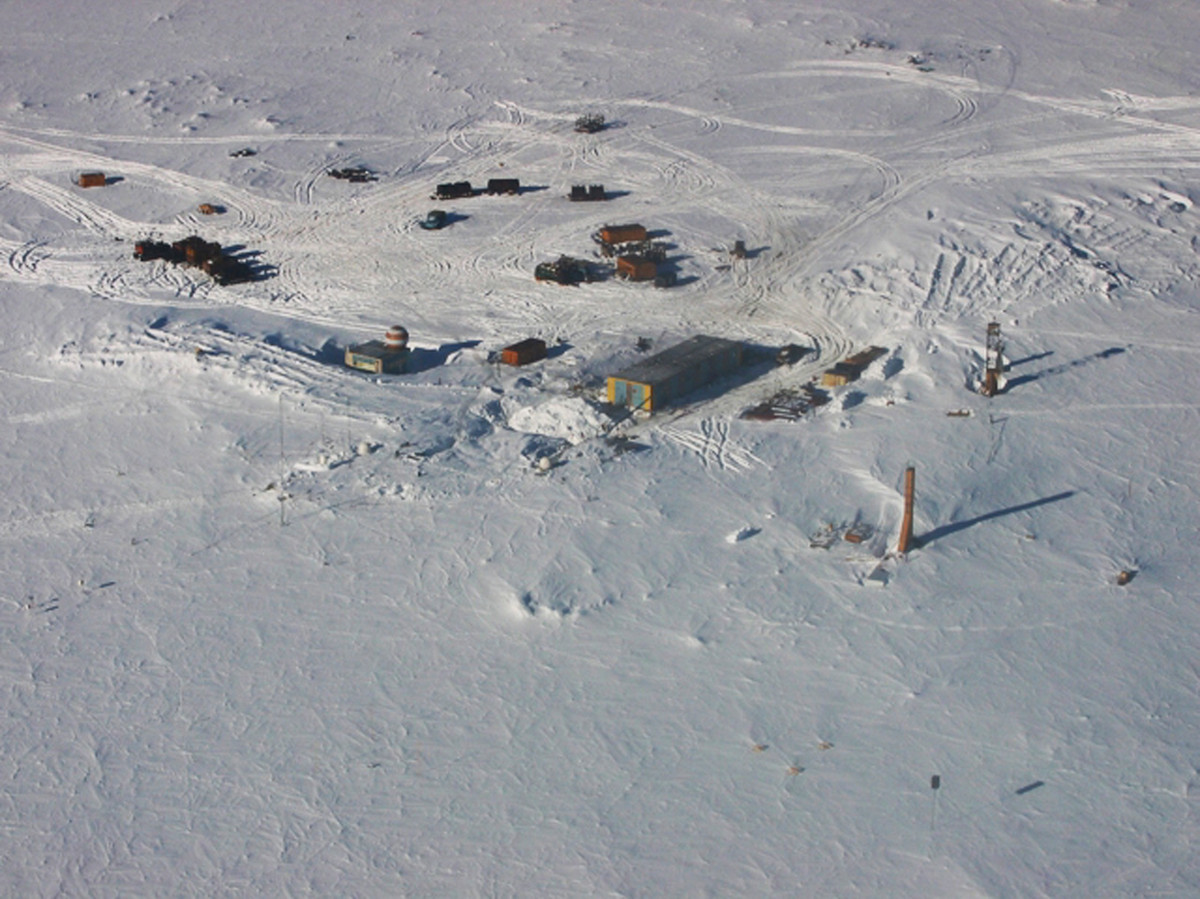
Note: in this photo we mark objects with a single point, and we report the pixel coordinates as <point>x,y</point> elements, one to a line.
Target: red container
<point>529,350</point>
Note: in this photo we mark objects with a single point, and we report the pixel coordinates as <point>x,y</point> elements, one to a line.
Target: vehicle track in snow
<point>313,235</point>
<point>301,274</point>
<point>24,259</point>
<point>712,443</point>
<point>52,160</point>
<point>764,290</point>
<point>71,205</point>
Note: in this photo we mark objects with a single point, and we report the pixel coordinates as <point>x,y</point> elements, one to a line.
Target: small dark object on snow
<point>739,249</point>
<point>1029,788</point>
<point>226,269</point>
<point>1125,576</point>
<point>245,151</point>
<point>790,354</point>
<point>935,782</point>
<point>589,123</point>
<point>355,174</point>
<point>435,220</point>
<point>665,279</point>
<point>147,250</point>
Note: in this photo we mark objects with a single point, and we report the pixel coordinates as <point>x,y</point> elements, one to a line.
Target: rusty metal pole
<point>910,476</point>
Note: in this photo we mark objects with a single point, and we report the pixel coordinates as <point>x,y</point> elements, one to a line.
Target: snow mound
<point>570,418</point>
<point>741,534</point>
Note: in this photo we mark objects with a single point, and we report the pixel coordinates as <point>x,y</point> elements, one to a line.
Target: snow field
<point>272,626</point>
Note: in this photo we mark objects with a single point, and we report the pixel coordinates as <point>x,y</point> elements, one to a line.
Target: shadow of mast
<point>947,529</point>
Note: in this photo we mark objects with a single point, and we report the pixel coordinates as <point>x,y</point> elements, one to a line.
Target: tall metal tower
<point>993,367</point>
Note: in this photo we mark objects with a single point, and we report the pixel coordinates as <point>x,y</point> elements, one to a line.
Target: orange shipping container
<point>92,179</point>
<point>635,268</point>
<point>614,234</point>
<point>529,350</point>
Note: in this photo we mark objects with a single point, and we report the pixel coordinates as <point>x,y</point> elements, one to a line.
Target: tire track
<point>714,446</point>
<point>25,259</point>
<point>51,158</point>
<point>83,212</point>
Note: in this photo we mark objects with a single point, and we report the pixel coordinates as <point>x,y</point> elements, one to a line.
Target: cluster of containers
<point>647,385</point>
<point>454,190</point>
<point>198,253</point>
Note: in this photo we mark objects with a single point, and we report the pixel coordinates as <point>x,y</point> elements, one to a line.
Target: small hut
<point>92,179</point>
<point>589,123</point>
<point>387,356</point>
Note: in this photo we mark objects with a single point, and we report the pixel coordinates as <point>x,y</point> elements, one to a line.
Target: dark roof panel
<point>682,357</point>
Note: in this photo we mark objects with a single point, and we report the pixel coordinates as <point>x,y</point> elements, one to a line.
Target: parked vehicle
<point>589,123</point>
<point>434,221</point>
<point>564,270</point>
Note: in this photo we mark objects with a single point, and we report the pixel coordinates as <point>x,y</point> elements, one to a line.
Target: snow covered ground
<point>270,626</point>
